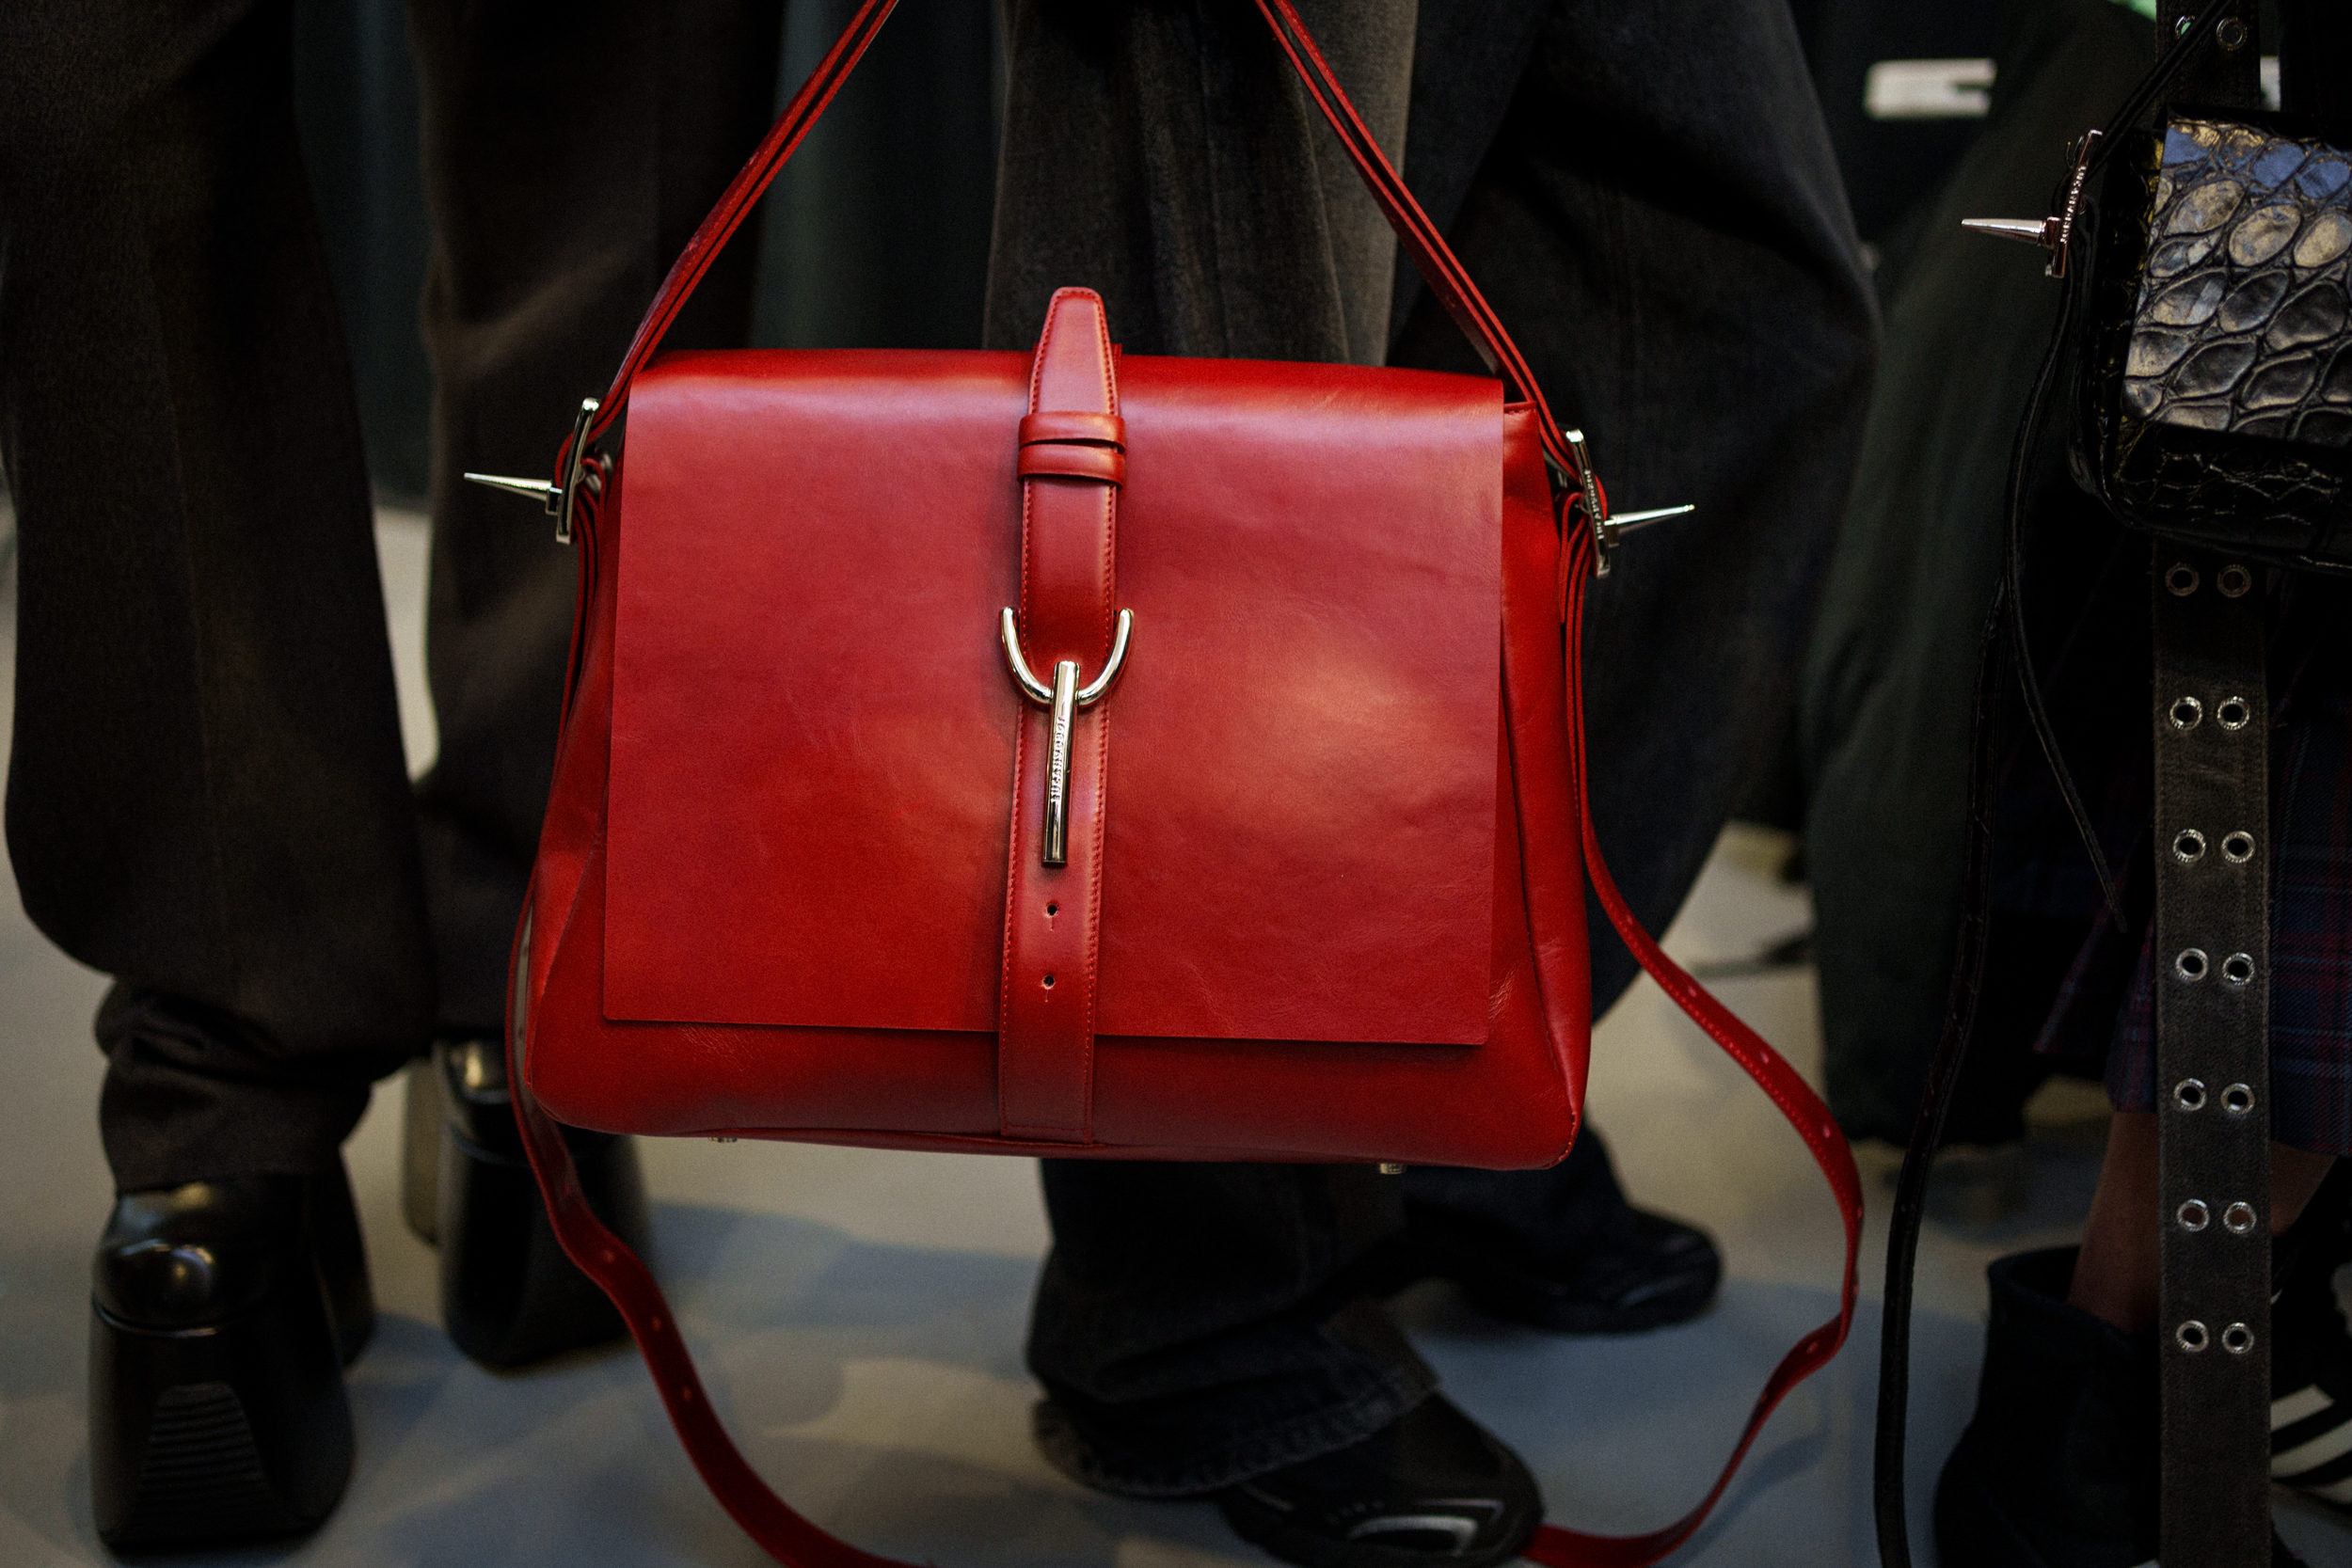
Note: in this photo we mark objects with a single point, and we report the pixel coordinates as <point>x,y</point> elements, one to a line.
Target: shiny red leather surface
<point>786,855</point>
<point>814,724</point>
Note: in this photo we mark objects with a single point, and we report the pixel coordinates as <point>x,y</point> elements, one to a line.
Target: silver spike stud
<point>2054,233</point>
<point>535,489</point>
<point>2041,232</point>
<point>1609,528</point>
<point>1626,522</point>
<point>559,499</point>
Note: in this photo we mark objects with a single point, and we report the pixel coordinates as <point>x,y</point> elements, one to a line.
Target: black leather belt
<point>2212,849</point>
<point>2212,1057</point>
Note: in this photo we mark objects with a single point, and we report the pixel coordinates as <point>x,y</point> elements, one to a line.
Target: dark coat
<point>1891,669</point>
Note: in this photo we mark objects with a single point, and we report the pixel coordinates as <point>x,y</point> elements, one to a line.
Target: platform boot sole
<point>238,1431</point>
<point>509,1295</point>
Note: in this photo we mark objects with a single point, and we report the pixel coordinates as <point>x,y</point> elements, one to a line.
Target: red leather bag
<point>1076,754</point>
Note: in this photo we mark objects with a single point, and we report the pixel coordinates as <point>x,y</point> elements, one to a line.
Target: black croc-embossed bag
<point>2216,399</point>
<point>2213,298</point>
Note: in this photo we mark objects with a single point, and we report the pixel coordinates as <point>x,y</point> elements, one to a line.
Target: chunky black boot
<point>509,1296</point>
<point>2059,1466</point>
<point>222,1315</point>
<point>1432,1490</point>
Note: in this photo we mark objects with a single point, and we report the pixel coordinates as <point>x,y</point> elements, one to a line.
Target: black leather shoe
<point>1434,1489</point>
<point>222,1315</point>
<point>509,1296</point>
<point>1602,1266</point>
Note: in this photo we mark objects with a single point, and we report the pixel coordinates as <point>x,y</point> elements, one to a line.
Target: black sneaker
<point>1434,1490</point>
<point>1559,1250</point>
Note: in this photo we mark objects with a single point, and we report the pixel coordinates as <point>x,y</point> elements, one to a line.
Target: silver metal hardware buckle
<point>1607,527</point>
<point>557,498</point>
<point>2054,233</point>
<point>1064,698</point>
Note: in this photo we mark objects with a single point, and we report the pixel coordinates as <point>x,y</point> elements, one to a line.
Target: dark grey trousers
<point>206,792</point>
<point>1646,193</point>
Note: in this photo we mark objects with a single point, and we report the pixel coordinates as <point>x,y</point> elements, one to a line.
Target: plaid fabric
<point>2311,944</point>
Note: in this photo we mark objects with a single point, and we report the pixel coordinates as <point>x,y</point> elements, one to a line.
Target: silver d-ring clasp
<point>1064,697</point>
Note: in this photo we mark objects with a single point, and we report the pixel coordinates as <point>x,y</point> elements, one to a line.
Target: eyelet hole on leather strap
<point>1049,982</point>
<point>2191,1337</point>
<point>2190,965</point>
<point>2238,848</point>
<point>2238,1218</point>
<point>1052,909</point>
<point>2232,713</point>
<point>2181,579</point>
<point>2237,1099</point>
<point>2188,846</point>
<point>2237,1339</point>
<point>2189,1095</point>
<point>2187,712</point>
<point>2238,968</point>
<point>2234,581</point>
<point>2193,1215</point>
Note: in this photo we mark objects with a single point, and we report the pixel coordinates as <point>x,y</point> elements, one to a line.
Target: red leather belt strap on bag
<point>1071,463</point>
<point>1068,552</point>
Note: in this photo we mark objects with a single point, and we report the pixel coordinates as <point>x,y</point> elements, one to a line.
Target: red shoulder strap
<point>1436,263</point>
<point>604,1257</point>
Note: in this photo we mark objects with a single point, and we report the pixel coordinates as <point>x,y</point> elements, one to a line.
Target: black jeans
<point>1200,1325</point>
<point>1671,248</point>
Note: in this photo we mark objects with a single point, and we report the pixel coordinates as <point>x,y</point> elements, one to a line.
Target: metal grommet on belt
<point>2186,712</point>
<point>2191,1337</point>
<point>2238,969</point>
<point>2190,965</point>
<point>2193,1215</point>
<point>2233,580</point>
<point>2237,1339</point>
<point>2238,848</point>
<point>2189,1094</point>
<point>2181,579</point>
<point>2188,846</point>
<point>2237,1099</point>
<point>2238,1218</point>
<point>2232,713</point>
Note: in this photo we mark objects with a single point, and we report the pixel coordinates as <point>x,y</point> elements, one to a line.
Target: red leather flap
<point>813,724</point>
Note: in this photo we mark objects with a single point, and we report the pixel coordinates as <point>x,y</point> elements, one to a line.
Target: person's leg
<point>1558,1249</point>
<point>569,151</point>
<point>1201,1328</point>
<point>2114,1279</point>
<point>207,797</point>
<point>1162,157</point>
<point>1200,1325</point>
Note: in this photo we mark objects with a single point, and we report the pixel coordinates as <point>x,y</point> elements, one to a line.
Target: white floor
<point>860,1315</point>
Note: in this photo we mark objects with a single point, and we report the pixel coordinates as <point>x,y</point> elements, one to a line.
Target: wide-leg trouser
<point>207,797</point>
<point>1672,251</point>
